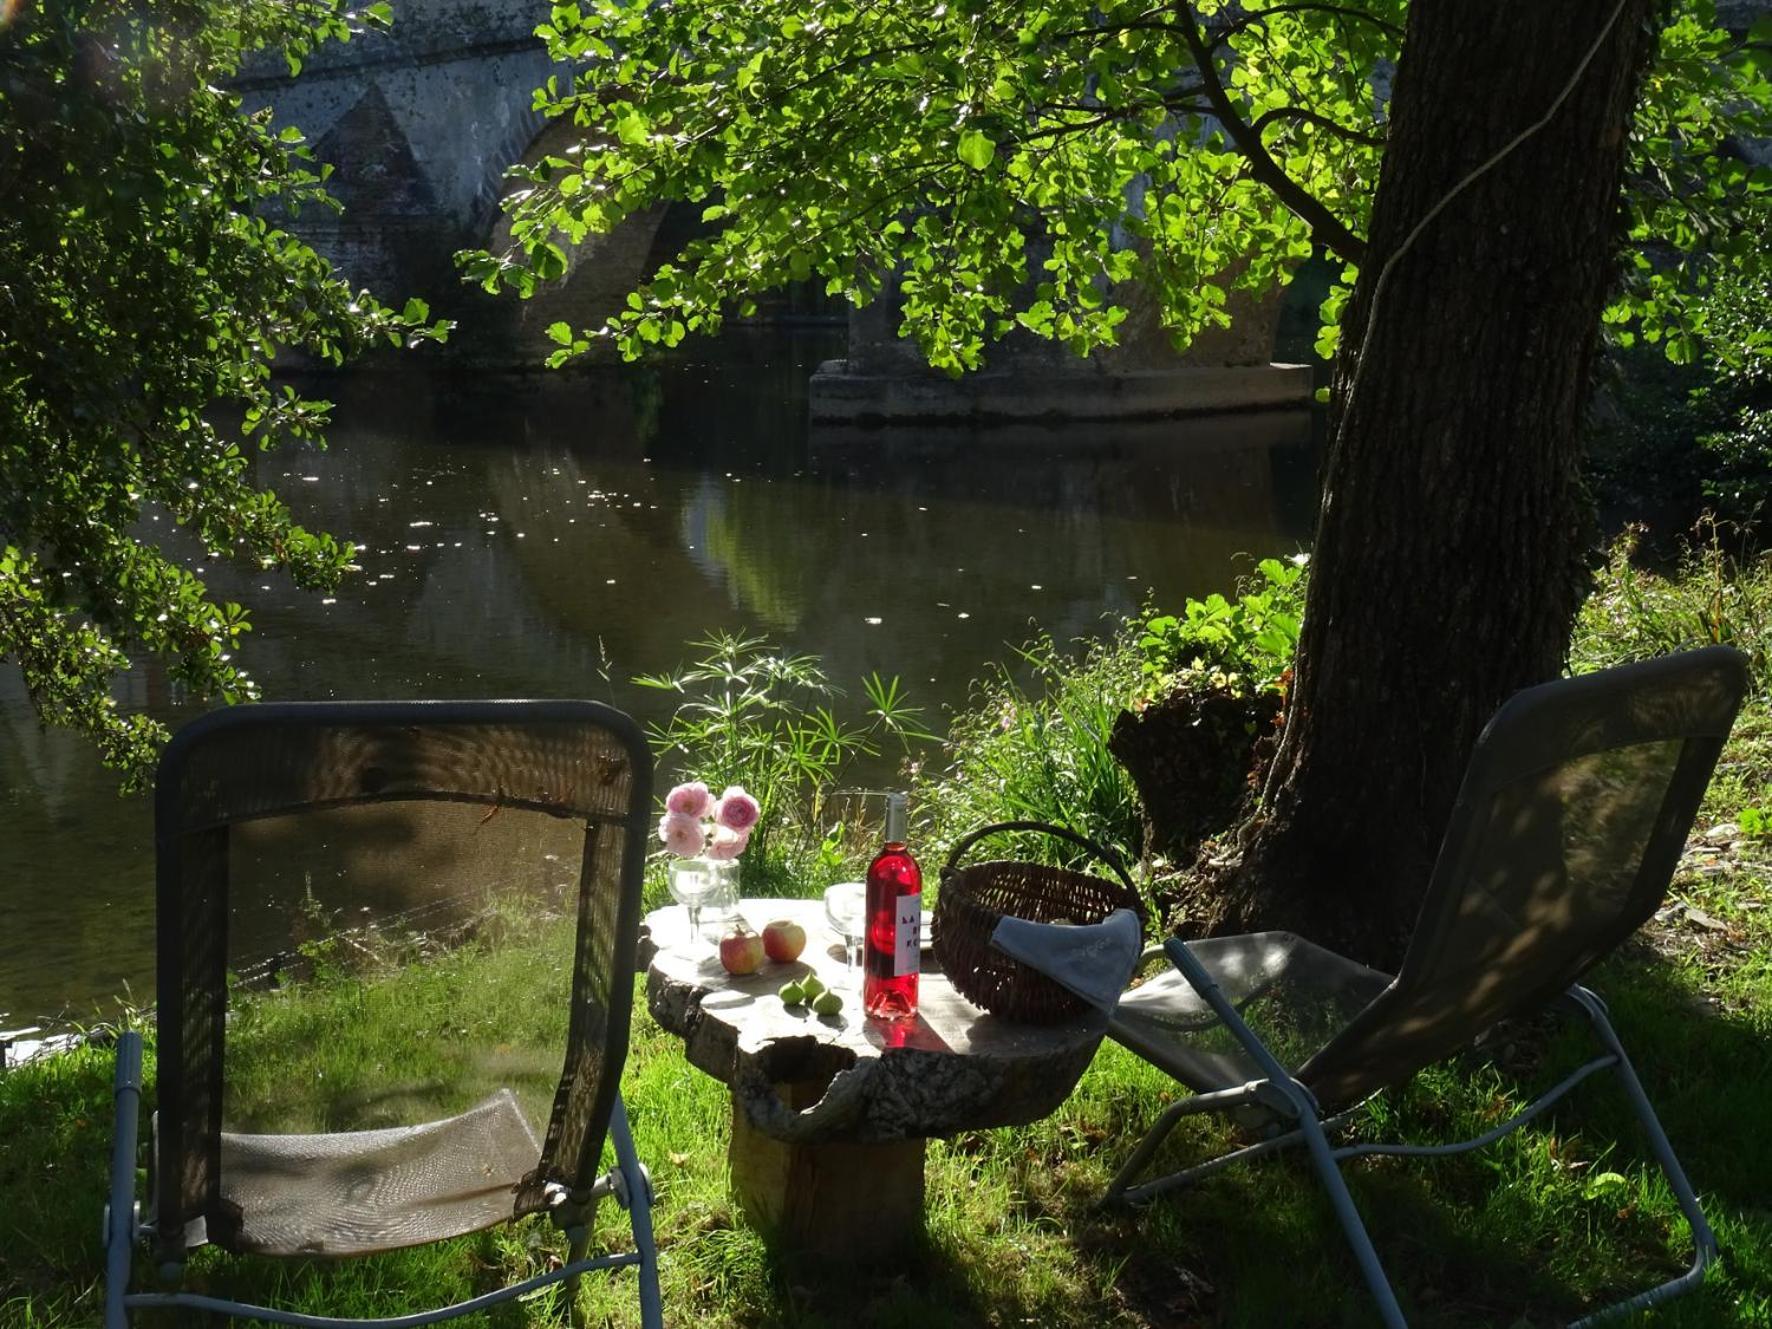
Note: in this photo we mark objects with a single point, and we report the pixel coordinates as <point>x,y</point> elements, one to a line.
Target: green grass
<point>1563,1215</point>
<point>1528,1233</point>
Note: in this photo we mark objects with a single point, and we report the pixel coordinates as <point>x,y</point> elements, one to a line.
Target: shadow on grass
<point>1707,1070</point>
<point>1563,1217</point>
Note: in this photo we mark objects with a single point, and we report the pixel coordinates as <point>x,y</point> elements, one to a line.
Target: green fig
<point>811,986</point>
<point>792,994</point>
<point>827,1003</point>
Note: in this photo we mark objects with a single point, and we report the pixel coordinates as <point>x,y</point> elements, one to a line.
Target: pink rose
<point>737,810</point>
<point>681,835</point>
<point>690,800</point>
<point>728,844</point>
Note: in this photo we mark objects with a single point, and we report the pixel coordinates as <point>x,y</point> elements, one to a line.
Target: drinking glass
<point>697,881</point>
<point>845,907</point>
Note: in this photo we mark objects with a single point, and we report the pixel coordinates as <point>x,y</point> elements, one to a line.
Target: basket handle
<point>1105,855</point>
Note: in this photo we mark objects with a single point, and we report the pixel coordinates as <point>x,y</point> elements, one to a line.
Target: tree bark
<point>1448,562</point>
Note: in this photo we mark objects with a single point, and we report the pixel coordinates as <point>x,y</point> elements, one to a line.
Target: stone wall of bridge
<point>421,124</point>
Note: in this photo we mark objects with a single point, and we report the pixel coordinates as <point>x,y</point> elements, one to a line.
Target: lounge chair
<point>1572,816</point>
<point>435,802</point>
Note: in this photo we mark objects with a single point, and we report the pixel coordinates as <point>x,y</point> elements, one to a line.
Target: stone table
<point>830,1114</point>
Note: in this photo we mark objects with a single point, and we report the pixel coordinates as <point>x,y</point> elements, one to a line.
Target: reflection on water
<point>553,537</point>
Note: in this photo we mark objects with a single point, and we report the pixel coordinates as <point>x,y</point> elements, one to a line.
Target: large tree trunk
<point>1448,559</point>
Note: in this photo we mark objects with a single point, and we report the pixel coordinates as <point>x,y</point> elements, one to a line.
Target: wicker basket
<point>975,897</point>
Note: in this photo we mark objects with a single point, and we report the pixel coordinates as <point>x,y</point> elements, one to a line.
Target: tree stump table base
<point>841,1201</point>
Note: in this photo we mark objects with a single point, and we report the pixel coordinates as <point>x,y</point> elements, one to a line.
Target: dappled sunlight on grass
<point>1553,1219</point>
<point>1561,1216</point>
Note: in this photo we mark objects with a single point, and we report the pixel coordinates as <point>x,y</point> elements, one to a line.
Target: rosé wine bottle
<point>894,924</point>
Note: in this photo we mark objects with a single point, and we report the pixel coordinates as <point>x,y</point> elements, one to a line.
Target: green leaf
<point>976,149</point>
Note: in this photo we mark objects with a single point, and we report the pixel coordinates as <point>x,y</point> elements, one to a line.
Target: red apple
<point>741,953</point>
<point>784,939</point>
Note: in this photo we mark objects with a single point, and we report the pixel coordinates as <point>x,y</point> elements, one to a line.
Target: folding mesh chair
<point>1572,816</point>
<point>492,811</point>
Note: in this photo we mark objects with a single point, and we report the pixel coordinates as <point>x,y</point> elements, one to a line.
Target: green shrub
<point>1678,437</point>
<point>1241,645</point>
<point>753,715</point>
<point>1738,395</point>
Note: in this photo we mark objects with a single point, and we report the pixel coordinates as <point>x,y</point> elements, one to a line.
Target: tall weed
<point>750,714</point>
<point>1715,596</point>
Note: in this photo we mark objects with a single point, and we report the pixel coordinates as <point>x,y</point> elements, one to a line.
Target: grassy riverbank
<point>1556,1218</point>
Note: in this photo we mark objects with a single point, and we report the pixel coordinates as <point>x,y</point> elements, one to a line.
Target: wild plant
<point>1716,596</point>
<point>1238,645</point>
<point>750,714</point>
<point>1032,745</point>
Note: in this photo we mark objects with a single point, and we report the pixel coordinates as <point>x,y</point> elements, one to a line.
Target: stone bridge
<point>422,123</point>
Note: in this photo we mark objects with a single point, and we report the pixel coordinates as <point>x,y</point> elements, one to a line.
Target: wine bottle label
<point>908,949</point>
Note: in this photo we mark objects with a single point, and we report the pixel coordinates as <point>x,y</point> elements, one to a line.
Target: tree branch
<point>1243,24</point>
<point>1335,127</point>
<point>1325,226</point>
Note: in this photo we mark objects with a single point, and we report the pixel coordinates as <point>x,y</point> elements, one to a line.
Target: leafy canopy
<point>142,286</point>
<point>1019,163</point>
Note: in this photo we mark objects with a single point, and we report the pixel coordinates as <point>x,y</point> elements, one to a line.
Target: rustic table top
<point>805,1078</point>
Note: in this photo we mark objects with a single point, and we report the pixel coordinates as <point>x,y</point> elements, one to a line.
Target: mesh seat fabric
<point>483,820</point>
<point>357,1192</point>
<point>1294,994</point>
<point>1565,834</point>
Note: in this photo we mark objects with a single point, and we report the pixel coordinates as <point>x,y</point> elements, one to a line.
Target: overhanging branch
<point>1326,227</point>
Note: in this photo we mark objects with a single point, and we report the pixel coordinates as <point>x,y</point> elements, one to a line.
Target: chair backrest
<point>427,793</point>
<point>1571,819</point>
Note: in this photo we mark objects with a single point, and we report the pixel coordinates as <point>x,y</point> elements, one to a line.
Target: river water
<point>554,536</point>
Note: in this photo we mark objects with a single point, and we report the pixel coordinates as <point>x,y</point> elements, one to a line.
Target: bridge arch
<point>599,272</point>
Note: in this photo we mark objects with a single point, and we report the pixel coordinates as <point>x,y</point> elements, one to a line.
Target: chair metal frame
<point>1282,1094</point>
<point>573,1211</point>
<point>627,1181</point>
<point>1537,730</point>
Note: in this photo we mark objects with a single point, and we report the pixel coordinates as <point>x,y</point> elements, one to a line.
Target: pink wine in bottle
<point>894,923</point>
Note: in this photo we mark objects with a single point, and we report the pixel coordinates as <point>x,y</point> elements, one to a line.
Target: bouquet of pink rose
<point>697,825</point>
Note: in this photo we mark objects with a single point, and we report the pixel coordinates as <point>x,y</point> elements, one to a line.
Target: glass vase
<point>708,891</point>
